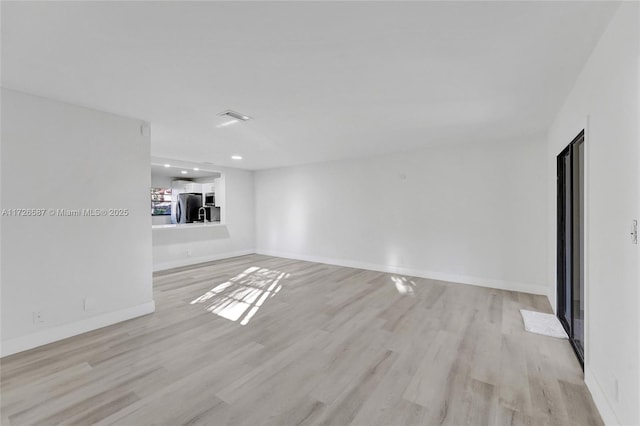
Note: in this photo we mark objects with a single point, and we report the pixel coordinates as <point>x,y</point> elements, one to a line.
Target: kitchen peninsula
<point>229,233</point>
<point>184,196</point>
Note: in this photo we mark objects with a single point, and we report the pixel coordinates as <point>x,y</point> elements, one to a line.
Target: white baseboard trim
<point>202,259</point>
<point>64,331</point>
<point>600,399</point>
<point>460,279</point>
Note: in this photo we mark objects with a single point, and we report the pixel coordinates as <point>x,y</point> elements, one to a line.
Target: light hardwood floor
<point>257,340</point>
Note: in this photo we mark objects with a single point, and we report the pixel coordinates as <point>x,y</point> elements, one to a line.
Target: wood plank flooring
<point>258,340</point>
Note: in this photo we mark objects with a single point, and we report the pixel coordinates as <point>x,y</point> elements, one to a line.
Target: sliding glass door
<point>571,242</point>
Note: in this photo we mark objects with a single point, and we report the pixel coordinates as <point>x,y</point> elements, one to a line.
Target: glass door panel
<point>571,242</point>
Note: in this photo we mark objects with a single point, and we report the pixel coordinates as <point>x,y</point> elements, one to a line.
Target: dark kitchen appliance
<point>210,199</point>
<point>187,207</point>
<point>213,214</point>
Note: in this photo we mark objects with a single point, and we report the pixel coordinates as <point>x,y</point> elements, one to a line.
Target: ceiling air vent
<point>235,115</point>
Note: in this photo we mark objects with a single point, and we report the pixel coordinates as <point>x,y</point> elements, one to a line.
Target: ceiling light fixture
<point>167,165</point>
<point>236,157</point>
<point>233,117</point>
<point>195,169</point>
<point>184,172</point>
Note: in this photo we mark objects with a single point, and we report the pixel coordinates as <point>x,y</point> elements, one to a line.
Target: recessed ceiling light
<point>184,172</point>
<point>167,165</point>
<point>195,169</point>
<point>236,157</point>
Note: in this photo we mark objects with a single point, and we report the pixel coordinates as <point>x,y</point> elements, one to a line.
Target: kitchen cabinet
<point>208,187</point>
<point>214,187</point>
<point>179,186</point>
<point>217,188</point>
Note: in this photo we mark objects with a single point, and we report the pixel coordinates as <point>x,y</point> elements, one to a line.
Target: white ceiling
<point>324,81</point>
<point>175,172</point>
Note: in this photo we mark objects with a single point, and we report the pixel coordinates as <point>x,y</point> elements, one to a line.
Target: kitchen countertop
<point>187,225</point>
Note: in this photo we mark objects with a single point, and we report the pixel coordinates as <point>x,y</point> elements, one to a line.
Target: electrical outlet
<point>88,303</point>
<point>38,318</point>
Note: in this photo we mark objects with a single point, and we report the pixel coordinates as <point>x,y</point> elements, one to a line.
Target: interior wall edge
<point>599,398</point>
<point>201,259</point>
<point>64,331</point>
<point>439,276</point>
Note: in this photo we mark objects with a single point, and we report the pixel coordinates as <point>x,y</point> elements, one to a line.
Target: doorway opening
<point>570,279</point>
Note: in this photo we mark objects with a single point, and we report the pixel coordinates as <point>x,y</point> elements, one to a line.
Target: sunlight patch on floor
<point>404,285</point>
<point>240,298</point>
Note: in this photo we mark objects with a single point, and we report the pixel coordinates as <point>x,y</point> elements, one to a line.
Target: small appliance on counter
<point>213,213</point>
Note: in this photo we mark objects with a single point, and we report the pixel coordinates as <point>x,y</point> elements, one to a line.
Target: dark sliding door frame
<point>570,241</point>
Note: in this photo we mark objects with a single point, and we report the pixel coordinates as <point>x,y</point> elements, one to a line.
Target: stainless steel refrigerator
<point>187,207</point>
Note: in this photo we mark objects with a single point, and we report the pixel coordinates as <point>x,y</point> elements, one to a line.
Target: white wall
<point>179,247</point>
<point>57,155</point>
<point>604,102</point>
<point>471,213</point>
